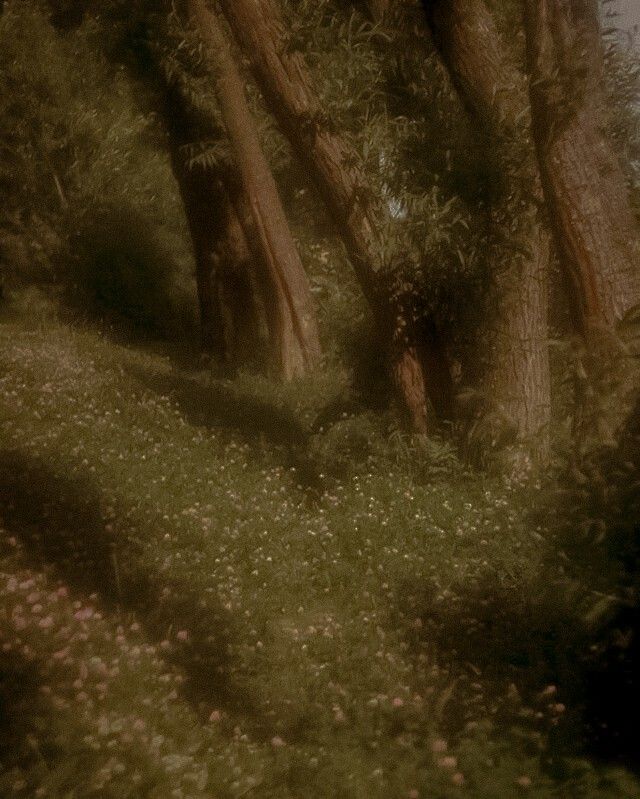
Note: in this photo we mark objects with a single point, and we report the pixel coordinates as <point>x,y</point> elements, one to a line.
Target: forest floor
<point>190,607</point>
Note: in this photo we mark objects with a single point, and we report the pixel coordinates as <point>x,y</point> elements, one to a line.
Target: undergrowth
<point>229,588</point>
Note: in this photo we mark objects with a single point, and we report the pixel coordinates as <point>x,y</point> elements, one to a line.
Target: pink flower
<point>398,701</point>
<point>524,781</point>
<point>215,715</point>
<point>277,742</point>
<point>448,762</point>
<point>457,779</point>
<point>439,746</point>
<point>46,623</point>
<point>182,635</point>
<point>61,654</point>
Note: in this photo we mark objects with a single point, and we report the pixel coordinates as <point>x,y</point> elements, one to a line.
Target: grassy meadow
<point>207,594</point>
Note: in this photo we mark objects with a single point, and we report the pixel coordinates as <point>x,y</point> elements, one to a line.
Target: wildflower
<point>182,635</point>
<point>524,781</point>
<point>439,746</point>
<point>277,742</point>
<point>457,779</point>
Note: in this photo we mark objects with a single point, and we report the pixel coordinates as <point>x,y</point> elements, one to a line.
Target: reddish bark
<point>359,215</point>
<point>297,335</point>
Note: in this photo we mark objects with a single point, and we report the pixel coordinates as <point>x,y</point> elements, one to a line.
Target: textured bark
<point>516,378</point>
<point>297,335</point>
<point>359,215</point>
<point>584,185</point>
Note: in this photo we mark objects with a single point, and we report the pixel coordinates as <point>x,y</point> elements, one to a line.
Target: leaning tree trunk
<point>583,181</point>
<point>229,306</point>
<point>297,334</point>
<point>516,374</point>
<point>335,169</point>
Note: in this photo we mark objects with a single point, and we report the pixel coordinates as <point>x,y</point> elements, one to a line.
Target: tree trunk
<point>297,335</point>
<point>358,214</point>
<point>242,292</point>
<point>201,202</point>
<point>229,310</point>
<point>516,375</point>
<point>584,185</point>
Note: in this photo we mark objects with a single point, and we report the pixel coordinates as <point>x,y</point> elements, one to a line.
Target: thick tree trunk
<point>297,335</point>
<point>583,182</point>
<point>516,377</point>
<point>358,214</point>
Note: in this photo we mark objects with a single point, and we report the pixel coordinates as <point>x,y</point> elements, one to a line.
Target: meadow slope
<point>195,603</point>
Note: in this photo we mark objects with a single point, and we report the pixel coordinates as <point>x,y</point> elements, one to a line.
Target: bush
<point>123,267</point>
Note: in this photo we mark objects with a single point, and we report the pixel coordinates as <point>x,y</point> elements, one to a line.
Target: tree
<point>584,185</point>
<point>516,380</point>
<point>360,215</point>
<point>227,296</point>
<point>297,335</point>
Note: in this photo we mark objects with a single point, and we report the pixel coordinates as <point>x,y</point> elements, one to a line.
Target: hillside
<point>191,607</point>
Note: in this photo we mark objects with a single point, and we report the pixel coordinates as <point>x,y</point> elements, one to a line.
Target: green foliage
<point>77,150</point>
<point>122,266</point>
<point>388,96</point>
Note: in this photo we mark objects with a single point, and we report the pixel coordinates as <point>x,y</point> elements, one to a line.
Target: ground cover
<point>202,594</point>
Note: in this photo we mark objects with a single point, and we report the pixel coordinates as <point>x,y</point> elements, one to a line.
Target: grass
<point>205,595</point>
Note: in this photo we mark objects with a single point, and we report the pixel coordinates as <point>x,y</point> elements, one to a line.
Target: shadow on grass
<point>62,529</point>
<point>217,406</point>
<point>518,643</point>
<point>23,710</point>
